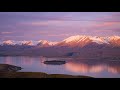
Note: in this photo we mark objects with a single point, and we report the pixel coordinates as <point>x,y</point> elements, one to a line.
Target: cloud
<point>14,36</point>
<point>42,23</point>
<point>110,17</point>
<point>6,32</point>
<point>48,23</point>
<point>43,33</point>
<point>35,23</point>
<point>54,26</point>
<point>108,20</point>
<point>106,24</point>
<point>103,31</point>
<point>58,35</point>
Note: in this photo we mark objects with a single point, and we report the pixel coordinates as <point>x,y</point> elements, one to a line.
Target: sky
<point>56,26</point>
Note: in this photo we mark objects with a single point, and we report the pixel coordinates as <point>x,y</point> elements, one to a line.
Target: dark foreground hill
<point>10,71</point>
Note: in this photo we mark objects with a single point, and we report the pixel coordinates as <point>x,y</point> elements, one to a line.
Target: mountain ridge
<point>72,41</point>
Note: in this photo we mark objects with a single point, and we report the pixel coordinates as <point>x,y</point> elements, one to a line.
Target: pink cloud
<point>104,24</point>
<point>111,17</point>
<point>58,35</point>
<point>38,33</point>
<point>46,23</point>
<point>6,32</point>
<point>34,23</point>
<point>43,32</point>
<point>108,20</point>
<point>103,31</point>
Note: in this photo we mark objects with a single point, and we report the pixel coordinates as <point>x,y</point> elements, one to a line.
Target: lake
<point>89,67</point>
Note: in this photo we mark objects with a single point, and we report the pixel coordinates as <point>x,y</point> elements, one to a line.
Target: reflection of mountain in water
<point>8,60</point>
<point>27,61</point>
<point>22,60</point>
<point>94,66</point>
<point>73,65</point>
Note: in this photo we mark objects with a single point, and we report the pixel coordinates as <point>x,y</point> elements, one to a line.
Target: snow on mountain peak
<point>53,43</point>
<point>114,37</point>
<point>114,40</point>
<point>27,43</point>
<point>78,40</point>
<point>8,42</point>
<point>45,42</point>
<point>99,40</point>
<point>75,38</point>
<point>96,39</point>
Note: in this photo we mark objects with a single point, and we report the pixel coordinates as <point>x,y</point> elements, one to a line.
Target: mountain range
<point>73,41</point>
<point>76,46</point>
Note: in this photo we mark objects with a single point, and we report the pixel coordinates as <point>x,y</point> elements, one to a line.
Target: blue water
<point>94,68</point>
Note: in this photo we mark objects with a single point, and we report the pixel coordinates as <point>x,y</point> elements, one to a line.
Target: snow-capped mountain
<point>73,41</point>
<point>11,42</point>
<point>8,42</point>
<point>100,40</point>
<point>82,40</point>
<point>79,38</point>
<point>114,40</point>
<point>46,43</point>
<point>27,43</point>
<point>79,45</point>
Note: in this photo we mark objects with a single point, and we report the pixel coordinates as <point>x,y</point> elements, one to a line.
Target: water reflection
<point>8,60</point>
<point>27,61</point>
<point>113,70</point>
<point>84,68</point>
<point>87,67</point>
<point>97,68</point>
<point>42,59</point>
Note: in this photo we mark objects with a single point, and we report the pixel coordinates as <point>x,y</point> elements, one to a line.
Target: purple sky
<point>56,26</point>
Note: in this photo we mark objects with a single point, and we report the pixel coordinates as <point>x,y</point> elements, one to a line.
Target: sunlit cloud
<point>57,25</point>
<point>43,33</point>
<point>106,24</point>
<point>112,17</point>
<point>43,23</point>
<point>58,35</point>
<point>6,32</point>
<point>13,36</point>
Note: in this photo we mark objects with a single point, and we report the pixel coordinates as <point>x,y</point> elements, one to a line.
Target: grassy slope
<point>36,75</point>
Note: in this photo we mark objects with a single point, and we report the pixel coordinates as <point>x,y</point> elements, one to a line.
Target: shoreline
<point>37,75</point>
<point>10,71</point>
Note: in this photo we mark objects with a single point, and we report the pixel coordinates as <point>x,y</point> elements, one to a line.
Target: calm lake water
<point>89,67</point>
